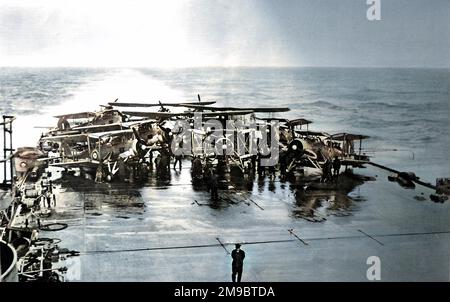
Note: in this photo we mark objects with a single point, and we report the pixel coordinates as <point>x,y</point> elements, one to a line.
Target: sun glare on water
<point>125,84</point>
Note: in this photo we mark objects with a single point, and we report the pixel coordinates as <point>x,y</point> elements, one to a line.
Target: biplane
<point>91,141</point>
<point>207,131</point>
<point>299,147</point>
<point>94,148</point>
<point>207,141</point>
<point>110,139</point>
<point>307,151</point>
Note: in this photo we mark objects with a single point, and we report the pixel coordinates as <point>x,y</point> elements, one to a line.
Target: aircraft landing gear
<point>109,177</point>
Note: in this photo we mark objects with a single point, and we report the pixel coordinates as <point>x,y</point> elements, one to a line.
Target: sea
<point>405,111</point>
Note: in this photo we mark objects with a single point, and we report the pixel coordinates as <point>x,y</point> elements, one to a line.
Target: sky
<point>177,33</point>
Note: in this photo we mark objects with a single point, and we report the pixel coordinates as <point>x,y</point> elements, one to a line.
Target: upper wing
<point>77,115</point>
<point>159,115</point>
<point>118,104</point>
<point>254,109</point>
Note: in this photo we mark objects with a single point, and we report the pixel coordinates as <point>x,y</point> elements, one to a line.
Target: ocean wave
<point>410,91</point>
<point>425,139</point>
<point>318,104</point>
<point>384,104</point>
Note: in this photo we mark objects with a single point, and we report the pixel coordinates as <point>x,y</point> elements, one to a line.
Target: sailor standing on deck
<point>238,256</point>
<point>177,160</point>
<point>178,156</point>
<point>157,161</point>
<point>214,186</point>
<point>326,171</point>
<point>336,167</point>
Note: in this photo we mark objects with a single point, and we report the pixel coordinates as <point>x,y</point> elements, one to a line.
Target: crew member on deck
<point>336,167</point>
<point>178,155</point>
<point>214,187</point>
<point>177,160</point>
<point>238,256</point>
<point>325,171</point>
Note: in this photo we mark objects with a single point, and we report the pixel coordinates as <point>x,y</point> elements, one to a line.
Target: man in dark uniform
<point>253,165</point>
<point>238,256</point>
<point>336,166</point>
<point>214,186</point>
<point>261,168</point>
<point>272,172</point>
<point>163,166</point>
<point>177,160</point>
<point>157,161</point>
<point>197,170</point>
<point>325,170</point>
<point>207,174</point>
<point>283,163</point>
<point>330,170</point>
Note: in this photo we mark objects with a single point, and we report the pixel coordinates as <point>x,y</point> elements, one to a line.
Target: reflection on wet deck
<point>170,230</point>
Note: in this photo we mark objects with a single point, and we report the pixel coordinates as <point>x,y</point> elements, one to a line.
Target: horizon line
<point>225,66</point>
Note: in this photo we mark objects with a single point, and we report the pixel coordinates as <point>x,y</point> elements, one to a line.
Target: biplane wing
<point>298,122</point>
<point>139,122</point>
<point>152,115</point>
<point>268,119</point>
<point>348,137</point>
<point>94,128</point>
<point>77,115</point>
<point>312,133</point>
<point>221,113</point>
<point>77,137</point>
<point>100,135</point>
<point>87,163</point>
<point>162,115</point>
<point>68,137</point>
<point>57,132</point>
<point>254,109</point>
<point>185,104</point>
<point>41,127</point>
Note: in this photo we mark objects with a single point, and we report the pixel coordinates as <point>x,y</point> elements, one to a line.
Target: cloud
<point>179,33</point>
<point>26,31</point>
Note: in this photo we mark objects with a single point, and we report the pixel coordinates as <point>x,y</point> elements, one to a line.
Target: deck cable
<point>258,242</point>
<point>180,247</point>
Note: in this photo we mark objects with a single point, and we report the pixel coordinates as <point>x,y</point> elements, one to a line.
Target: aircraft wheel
<point>109,178</point>
<point>95,155</point>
